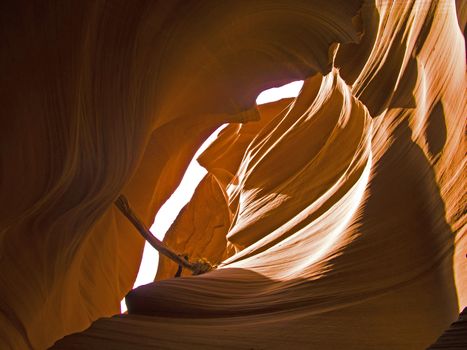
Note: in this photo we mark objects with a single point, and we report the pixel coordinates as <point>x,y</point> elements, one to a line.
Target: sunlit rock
<point>337,218</point>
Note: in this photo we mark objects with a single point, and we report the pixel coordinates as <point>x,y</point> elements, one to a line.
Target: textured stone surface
<point>339,216</point>
<point>455,337</point>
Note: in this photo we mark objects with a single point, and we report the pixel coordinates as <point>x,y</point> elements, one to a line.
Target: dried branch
<point>198,267</point>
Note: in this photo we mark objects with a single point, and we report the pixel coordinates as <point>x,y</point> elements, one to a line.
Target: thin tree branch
<point>124,206</point>
<point>198,267</point>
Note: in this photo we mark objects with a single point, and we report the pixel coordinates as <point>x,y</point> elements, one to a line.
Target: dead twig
<point>198,267</point>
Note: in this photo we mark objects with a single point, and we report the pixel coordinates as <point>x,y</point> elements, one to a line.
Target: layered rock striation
<point>337,218</point>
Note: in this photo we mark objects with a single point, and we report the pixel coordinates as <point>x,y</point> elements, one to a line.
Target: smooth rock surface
<point>337,218</point>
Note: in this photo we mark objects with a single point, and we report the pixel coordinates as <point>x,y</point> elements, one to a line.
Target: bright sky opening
<point>182,195</point>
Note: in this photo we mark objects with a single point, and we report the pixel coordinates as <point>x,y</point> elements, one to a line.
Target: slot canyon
<point>335,219</point>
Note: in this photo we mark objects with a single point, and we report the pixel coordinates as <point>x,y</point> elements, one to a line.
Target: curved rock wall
<point>340,216</point>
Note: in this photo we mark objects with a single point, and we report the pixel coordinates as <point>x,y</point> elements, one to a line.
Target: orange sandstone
<point>337,218</point>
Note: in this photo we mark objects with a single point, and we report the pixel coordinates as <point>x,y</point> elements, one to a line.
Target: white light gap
<point>289,90</point>
<point>182,195</point>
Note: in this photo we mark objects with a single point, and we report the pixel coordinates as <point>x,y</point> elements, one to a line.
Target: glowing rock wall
<point>339,216</point>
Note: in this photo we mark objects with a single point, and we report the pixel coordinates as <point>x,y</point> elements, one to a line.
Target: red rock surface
<point>337,218</point>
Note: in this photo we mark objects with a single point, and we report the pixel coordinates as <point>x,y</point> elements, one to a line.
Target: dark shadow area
<point>436,132</point>
<point>404,229</point>
<point>455,337</point>
<point>351,57</point>
<point>404,97</point>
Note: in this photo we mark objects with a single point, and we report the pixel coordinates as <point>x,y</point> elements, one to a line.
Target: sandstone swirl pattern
<point>337,218</point>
